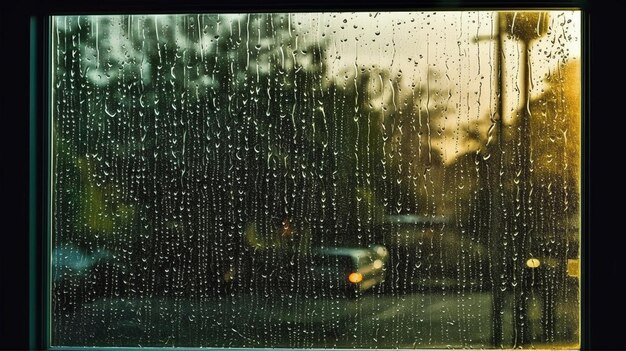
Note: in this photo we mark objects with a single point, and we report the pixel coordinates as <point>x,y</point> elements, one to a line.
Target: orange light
<point>355,277</point>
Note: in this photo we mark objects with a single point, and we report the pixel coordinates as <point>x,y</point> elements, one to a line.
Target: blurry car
<point>347,269</point>
<point>320,272</point>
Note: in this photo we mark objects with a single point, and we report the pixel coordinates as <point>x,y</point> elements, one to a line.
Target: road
<point>442,319</point>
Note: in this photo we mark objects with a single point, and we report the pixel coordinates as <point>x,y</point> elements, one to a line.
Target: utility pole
<point>496,172</point>
<point>523,27</point>
<point>492,200</point>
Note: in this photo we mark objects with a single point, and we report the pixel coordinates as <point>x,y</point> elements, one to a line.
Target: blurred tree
<point>176,131</point>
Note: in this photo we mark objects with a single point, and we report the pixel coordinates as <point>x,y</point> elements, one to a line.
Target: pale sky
<point>410,44</point>
<point>446,42</point>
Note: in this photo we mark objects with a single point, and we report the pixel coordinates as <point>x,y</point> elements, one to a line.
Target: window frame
<point>39,126</point>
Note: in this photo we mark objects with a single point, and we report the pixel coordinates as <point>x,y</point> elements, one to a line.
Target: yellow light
<point>381,251</point>
<point>378,264</point>
<point>355,277</point>
<point>533,263</point>
<point>572,268</point>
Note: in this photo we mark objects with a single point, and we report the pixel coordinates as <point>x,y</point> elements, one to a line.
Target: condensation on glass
<point>316,180</point>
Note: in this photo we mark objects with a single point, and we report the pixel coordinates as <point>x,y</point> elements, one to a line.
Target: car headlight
<point>355,277</point>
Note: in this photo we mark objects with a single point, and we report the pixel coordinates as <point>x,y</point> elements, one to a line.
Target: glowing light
<point>381,251</point>
<point>533,263</point>
<point>355,278</point>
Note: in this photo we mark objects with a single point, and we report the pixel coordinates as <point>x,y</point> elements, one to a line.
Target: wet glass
<point>316,180</point>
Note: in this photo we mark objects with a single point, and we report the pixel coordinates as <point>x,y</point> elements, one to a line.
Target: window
<point>316,180</point>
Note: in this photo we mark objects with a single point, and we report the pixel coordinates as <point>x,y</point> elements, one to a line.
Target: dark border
<point>34,245</point>
<point>25,145</point>
<point>59,7</point>
<point>14,184</point>
<point>584,174</point>
<point>39,182</point>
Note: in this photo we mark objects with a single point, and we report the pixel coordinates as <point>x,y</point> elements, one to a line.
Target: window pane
<point>326,180</point>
